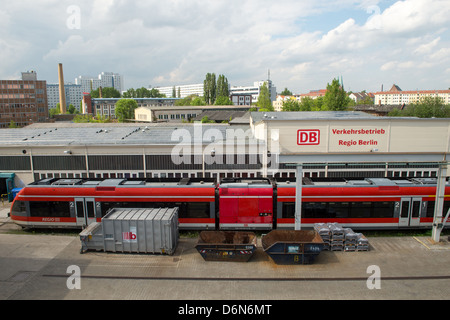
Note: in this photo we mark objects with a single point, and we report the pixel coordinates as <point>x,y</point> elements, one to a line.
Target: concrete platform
<point>35,267</point>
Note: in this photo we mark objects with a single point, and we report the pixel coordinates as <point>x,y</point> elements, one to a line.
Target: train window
<point>416,209</point>
<point>431,205</point>
<point>315,210</point>
<point>288,210</point>
<point>19,208</point>
<point>338,209</point>
<point>90,209</point>
<point>361,209</point>
<point>383,209</point>
<point>197,210</point>
<point>430,209</point>
<point>49,209</point>
<point>186,209</point>
<point>80,209</point>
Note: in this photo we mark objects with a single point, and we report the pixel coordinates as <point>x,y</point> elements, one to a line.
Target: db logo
<point>308,137</point>
<point>130,236</point>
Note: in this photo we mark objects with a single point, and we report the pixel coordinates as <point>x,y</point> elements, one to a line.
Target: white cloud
<point>427,47</point>
<point>415,16</point>
<point>441,55</point>
<point>179,41</point>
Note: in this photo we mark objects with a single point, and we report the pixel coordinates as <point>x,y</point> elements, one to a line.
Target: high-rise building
<point>111,80</point>
<point>23,101</point>
<point>74,95</point>
<point>104,80</point>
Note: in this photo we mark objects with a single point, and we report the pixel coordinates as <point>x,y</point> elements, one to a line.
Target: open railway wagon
<point>236,246</point>
<point>133,231</point>
<point>292,246</point>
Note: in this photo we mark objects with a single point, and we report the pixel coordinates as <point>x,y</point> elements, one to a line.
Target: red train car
<point>239,204</point>
<point>246,204</point>
<point>377,203</point>
<point>74,203</point>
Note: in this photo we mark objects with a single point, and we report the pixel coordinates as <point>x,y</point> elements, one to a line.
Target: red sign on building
<point>308,137</point>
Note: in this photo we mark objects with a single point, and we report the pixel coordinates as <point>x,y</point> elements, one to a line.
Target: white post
<point>439,203</point>
<point>298,197</point>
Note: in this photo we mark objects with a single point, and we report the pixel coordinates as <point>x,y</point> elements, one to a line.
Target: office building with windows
<point>74,95</point>
<point>23,101</point>
<point>104,79</point>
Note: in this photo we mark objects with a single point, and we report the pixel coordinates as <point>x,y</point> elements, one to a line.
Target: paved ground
<point>35,267</point>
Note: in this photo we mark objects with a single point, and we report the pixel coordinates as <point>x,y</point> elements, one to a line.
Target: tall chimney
<point>62,92</point>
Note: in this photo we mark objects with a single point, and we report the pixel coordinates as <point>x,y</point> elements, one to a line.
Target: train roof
<point>163,182</point>
<point>380,182</point>
<point>236,182</point>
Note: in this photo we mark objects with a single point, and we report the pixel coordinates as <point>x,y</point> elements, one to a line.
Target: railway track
<point>297,279</point>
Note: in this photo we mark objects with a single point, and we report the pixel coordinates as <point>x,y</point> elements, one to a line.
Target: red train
<point>235,203</point>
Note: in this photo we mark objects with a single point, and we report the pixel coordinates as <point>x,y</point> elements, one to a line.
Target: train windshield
<point>18,208</point>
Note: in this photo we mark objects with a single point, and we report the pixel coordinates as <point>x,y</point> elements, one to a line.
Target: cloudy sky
<point>304,43</point>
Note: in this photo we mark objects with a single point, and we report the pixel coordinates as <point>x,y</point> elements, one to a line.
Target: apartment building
<point>104,79</point>
<point>183,90</point>
<point>396,96</point>
<point>23,101</point>
<point>74,95</point>
<point>106,107</point>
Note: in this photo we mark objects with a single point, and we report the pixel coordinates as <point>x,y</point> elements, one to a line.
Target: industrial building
<point>354,144</point>
<point>23,101</point>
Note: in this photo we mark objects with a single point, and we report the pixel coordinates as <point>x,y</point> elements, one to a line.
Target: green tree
<point>54,111</point>
<point>426,107</point>
<point>317,104</point>
<point>223,101</point>
<point>209,88</point>
<point>222,87</point>
<point>205,119</point>
<point>286,92</point>
<point>336,98</point>
<point>125,109</point>
<point>309,104</point>
<point>143,93</point>
<point>264,103</point>
<point>71,109</point>
<point>106,93</point>
<point>197,101</point>
<point>291,105</point>
<point>222,92</point>
<point>12,125</point>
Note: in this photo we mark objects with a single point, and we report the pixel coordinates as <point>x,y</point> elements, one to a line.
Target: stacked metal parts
<point>337,238</point>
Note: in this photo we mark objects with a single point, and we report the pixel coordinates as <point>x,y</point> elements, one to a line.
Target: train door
<point>410,212</point>
<point>85,211</point>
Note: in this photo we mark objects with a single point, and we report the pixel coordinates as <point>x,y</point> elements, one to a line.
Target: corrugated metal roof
<point>100,134</point>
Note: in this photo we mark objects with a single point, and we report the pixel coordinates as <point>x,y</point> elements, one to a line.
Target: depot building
<point>343,137</point>
<point>327,144</point>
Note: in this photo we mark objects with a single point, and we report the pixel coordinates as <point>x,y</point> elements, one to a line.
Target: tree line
<point>335,99</point>
<point>216,92</point>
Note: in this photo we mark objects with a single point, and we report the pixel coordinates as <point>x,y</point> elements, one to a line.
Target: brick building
<point>23,101</point>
